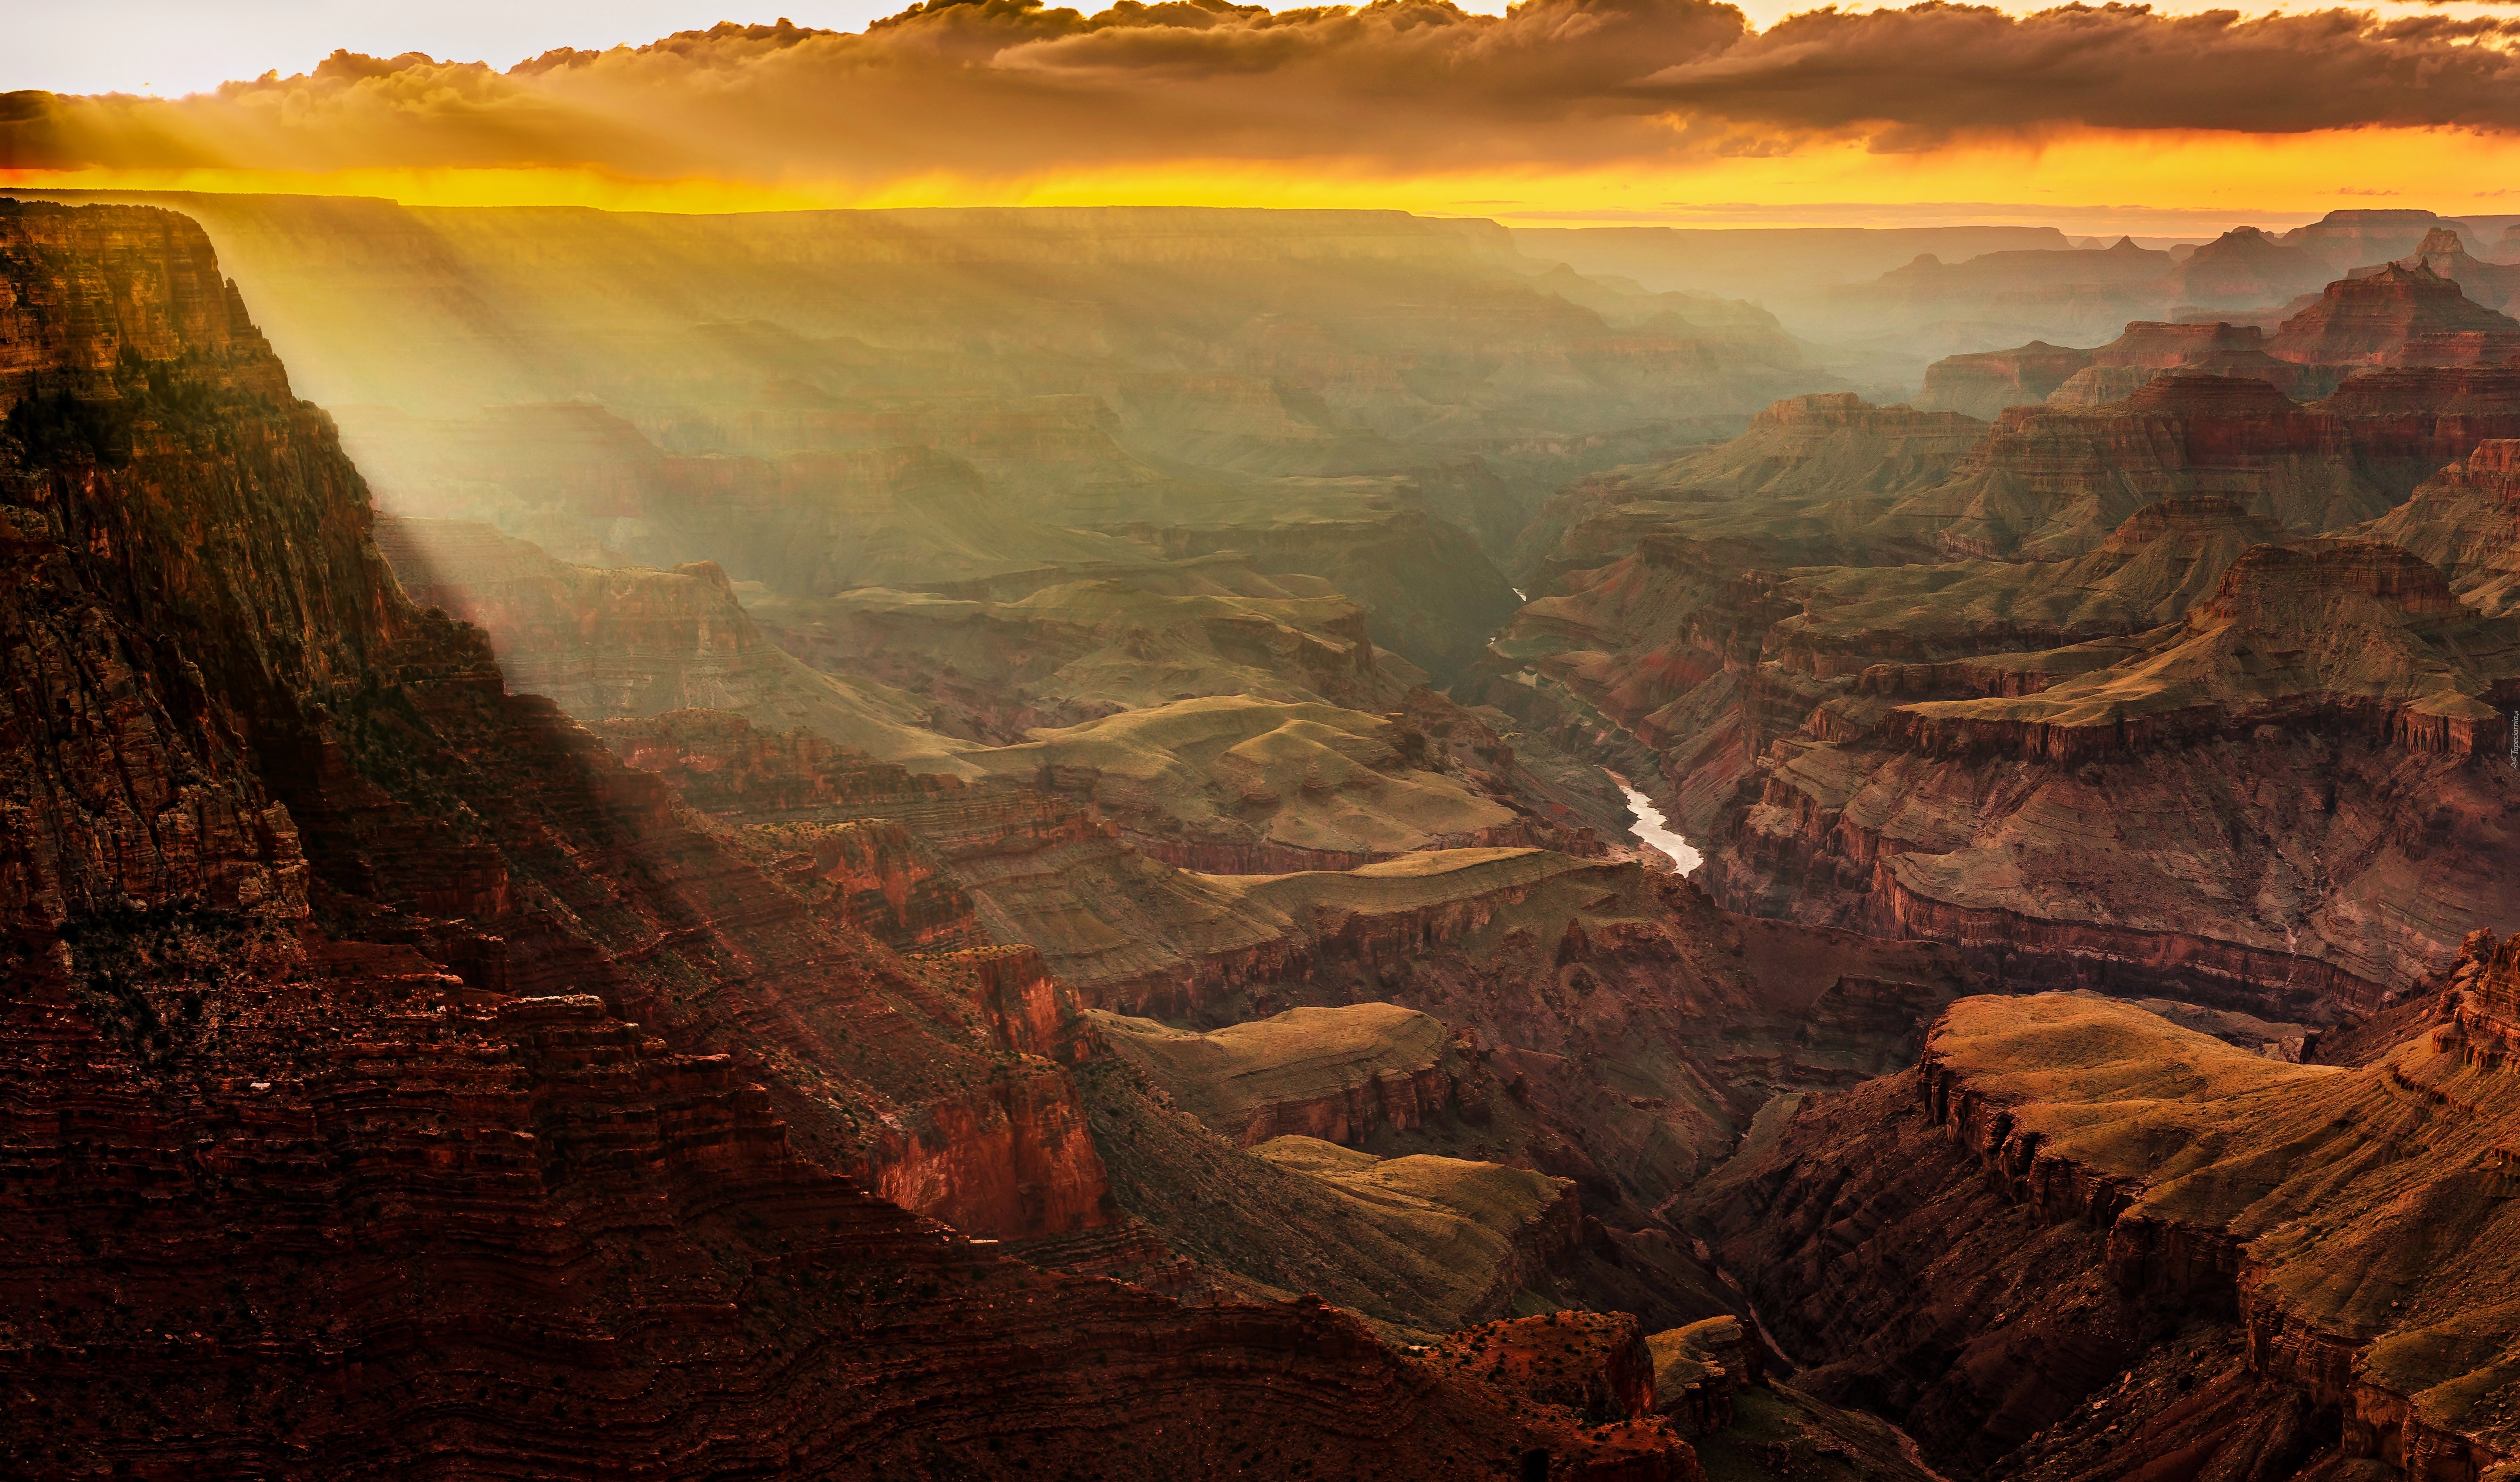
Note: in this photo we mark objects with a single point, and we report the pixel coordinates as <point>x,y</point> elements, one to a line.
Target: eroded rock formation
<point>2086,1152</point>
<point>2388,689</point>
<point>2399,315</point>
<point>634,641</point>
<point>401,1084</point>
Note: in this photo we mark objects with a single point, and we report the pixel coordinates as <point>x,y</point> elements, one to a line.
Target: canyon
<point>402,1084</point>
<point>946,845</point>
<point>2126,694</point>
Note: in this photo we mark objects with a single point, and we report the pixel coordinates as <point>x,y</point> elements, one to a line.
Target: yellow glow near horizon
<point>2147,183</point>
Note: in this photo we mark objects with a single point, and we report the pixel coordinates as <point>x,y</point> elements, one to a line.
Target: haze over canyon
<point>990,747</point>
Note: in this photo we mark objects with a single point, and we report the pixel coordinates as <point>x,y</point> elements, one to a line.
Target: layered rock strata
<point>2053,480</point>
<point>2111,1141</point>
<point>635,642</point>
<point>1331,1074</point>
<point>402,1085</point>
<point>1980,819</point>
<point>1243,787</point>
<point>1984,383</point>
<point>1799,485</point>
<point>1585,988</point>
<point>2399,315</point>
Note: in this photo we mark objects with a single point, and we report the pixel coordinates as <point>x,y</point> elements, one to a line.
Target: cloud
<point>1930,73</point>
<point>1003,88</point>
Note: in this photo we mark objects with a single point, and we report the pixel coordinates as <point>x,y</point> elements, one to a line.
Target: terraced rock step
<point>1328,1074</point>
<point>2147,1172</point>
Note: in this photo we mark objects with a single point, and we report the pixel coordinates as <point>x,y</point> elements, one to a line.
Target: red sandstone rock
<point>398,1083</point>
<point>1594,1364</point>
<point>2045,830</point>
<point>2399,315</point>
<point>2117,369</point>
<point>1984,383</point>
<point>1804,471</point>
<point>2446,255</point>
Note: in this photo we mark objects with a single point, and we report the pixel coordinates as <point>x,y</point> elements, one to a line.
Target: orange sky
<point>1563,112</point>
<point>2149,184</point>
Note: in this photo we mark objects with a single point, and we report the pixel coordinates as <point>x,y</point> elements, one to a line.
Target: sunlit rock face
<point>635,642</point>
<point>421,1030</point>
<point>2029,739</point>
<point>830,401</point>
<point>2055,1178</point>
<point>2065,819</point>
<point>2399,315</point>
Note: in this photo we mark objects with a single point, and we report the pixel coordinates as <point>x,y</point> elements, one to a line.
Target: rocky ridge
<point>631,641</point>
<point>382,1038</point>
<point>1834,731</point>
<point>2040,821</point>
<point>2107,1139</point>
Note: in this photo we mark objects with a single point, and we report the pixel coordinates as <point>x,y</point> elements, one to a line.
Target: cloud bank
<point>1003,88</point>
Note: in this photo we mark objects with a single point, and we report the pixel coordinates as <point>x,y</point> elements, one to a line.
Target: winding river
<point>1653,831</point>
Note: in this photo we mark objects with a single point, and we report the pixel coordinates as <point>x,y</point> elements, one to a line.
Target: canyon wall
<point>403,1085</point>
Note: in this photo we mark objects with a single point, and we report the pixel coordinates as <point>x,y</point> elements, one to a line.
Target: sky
<point>2172,120</point>
<point>170,47</point>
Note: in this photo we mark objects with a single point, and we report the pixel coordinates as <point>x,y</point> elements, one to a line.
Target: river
<point>1653,831</point>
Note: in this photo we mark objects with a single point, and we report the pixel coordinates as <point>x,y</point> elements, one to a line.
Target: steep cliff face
<point>1856,738</point>
<point>2341,629</point>
<point>405,1086</point>
<point>2054,480</point>
<point>2409,423</point>
<point>2466,520</point>
<point>1984,383</point>
<point>2124,366</point>
<point>2051,480</point>
<point>2105,1138</point>
<point>634,641</point>
<point>1795,484</point>
<point>146,414</point>
<point>1950,817</point>
<point>358,771</point>
<point>2399,315</point>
